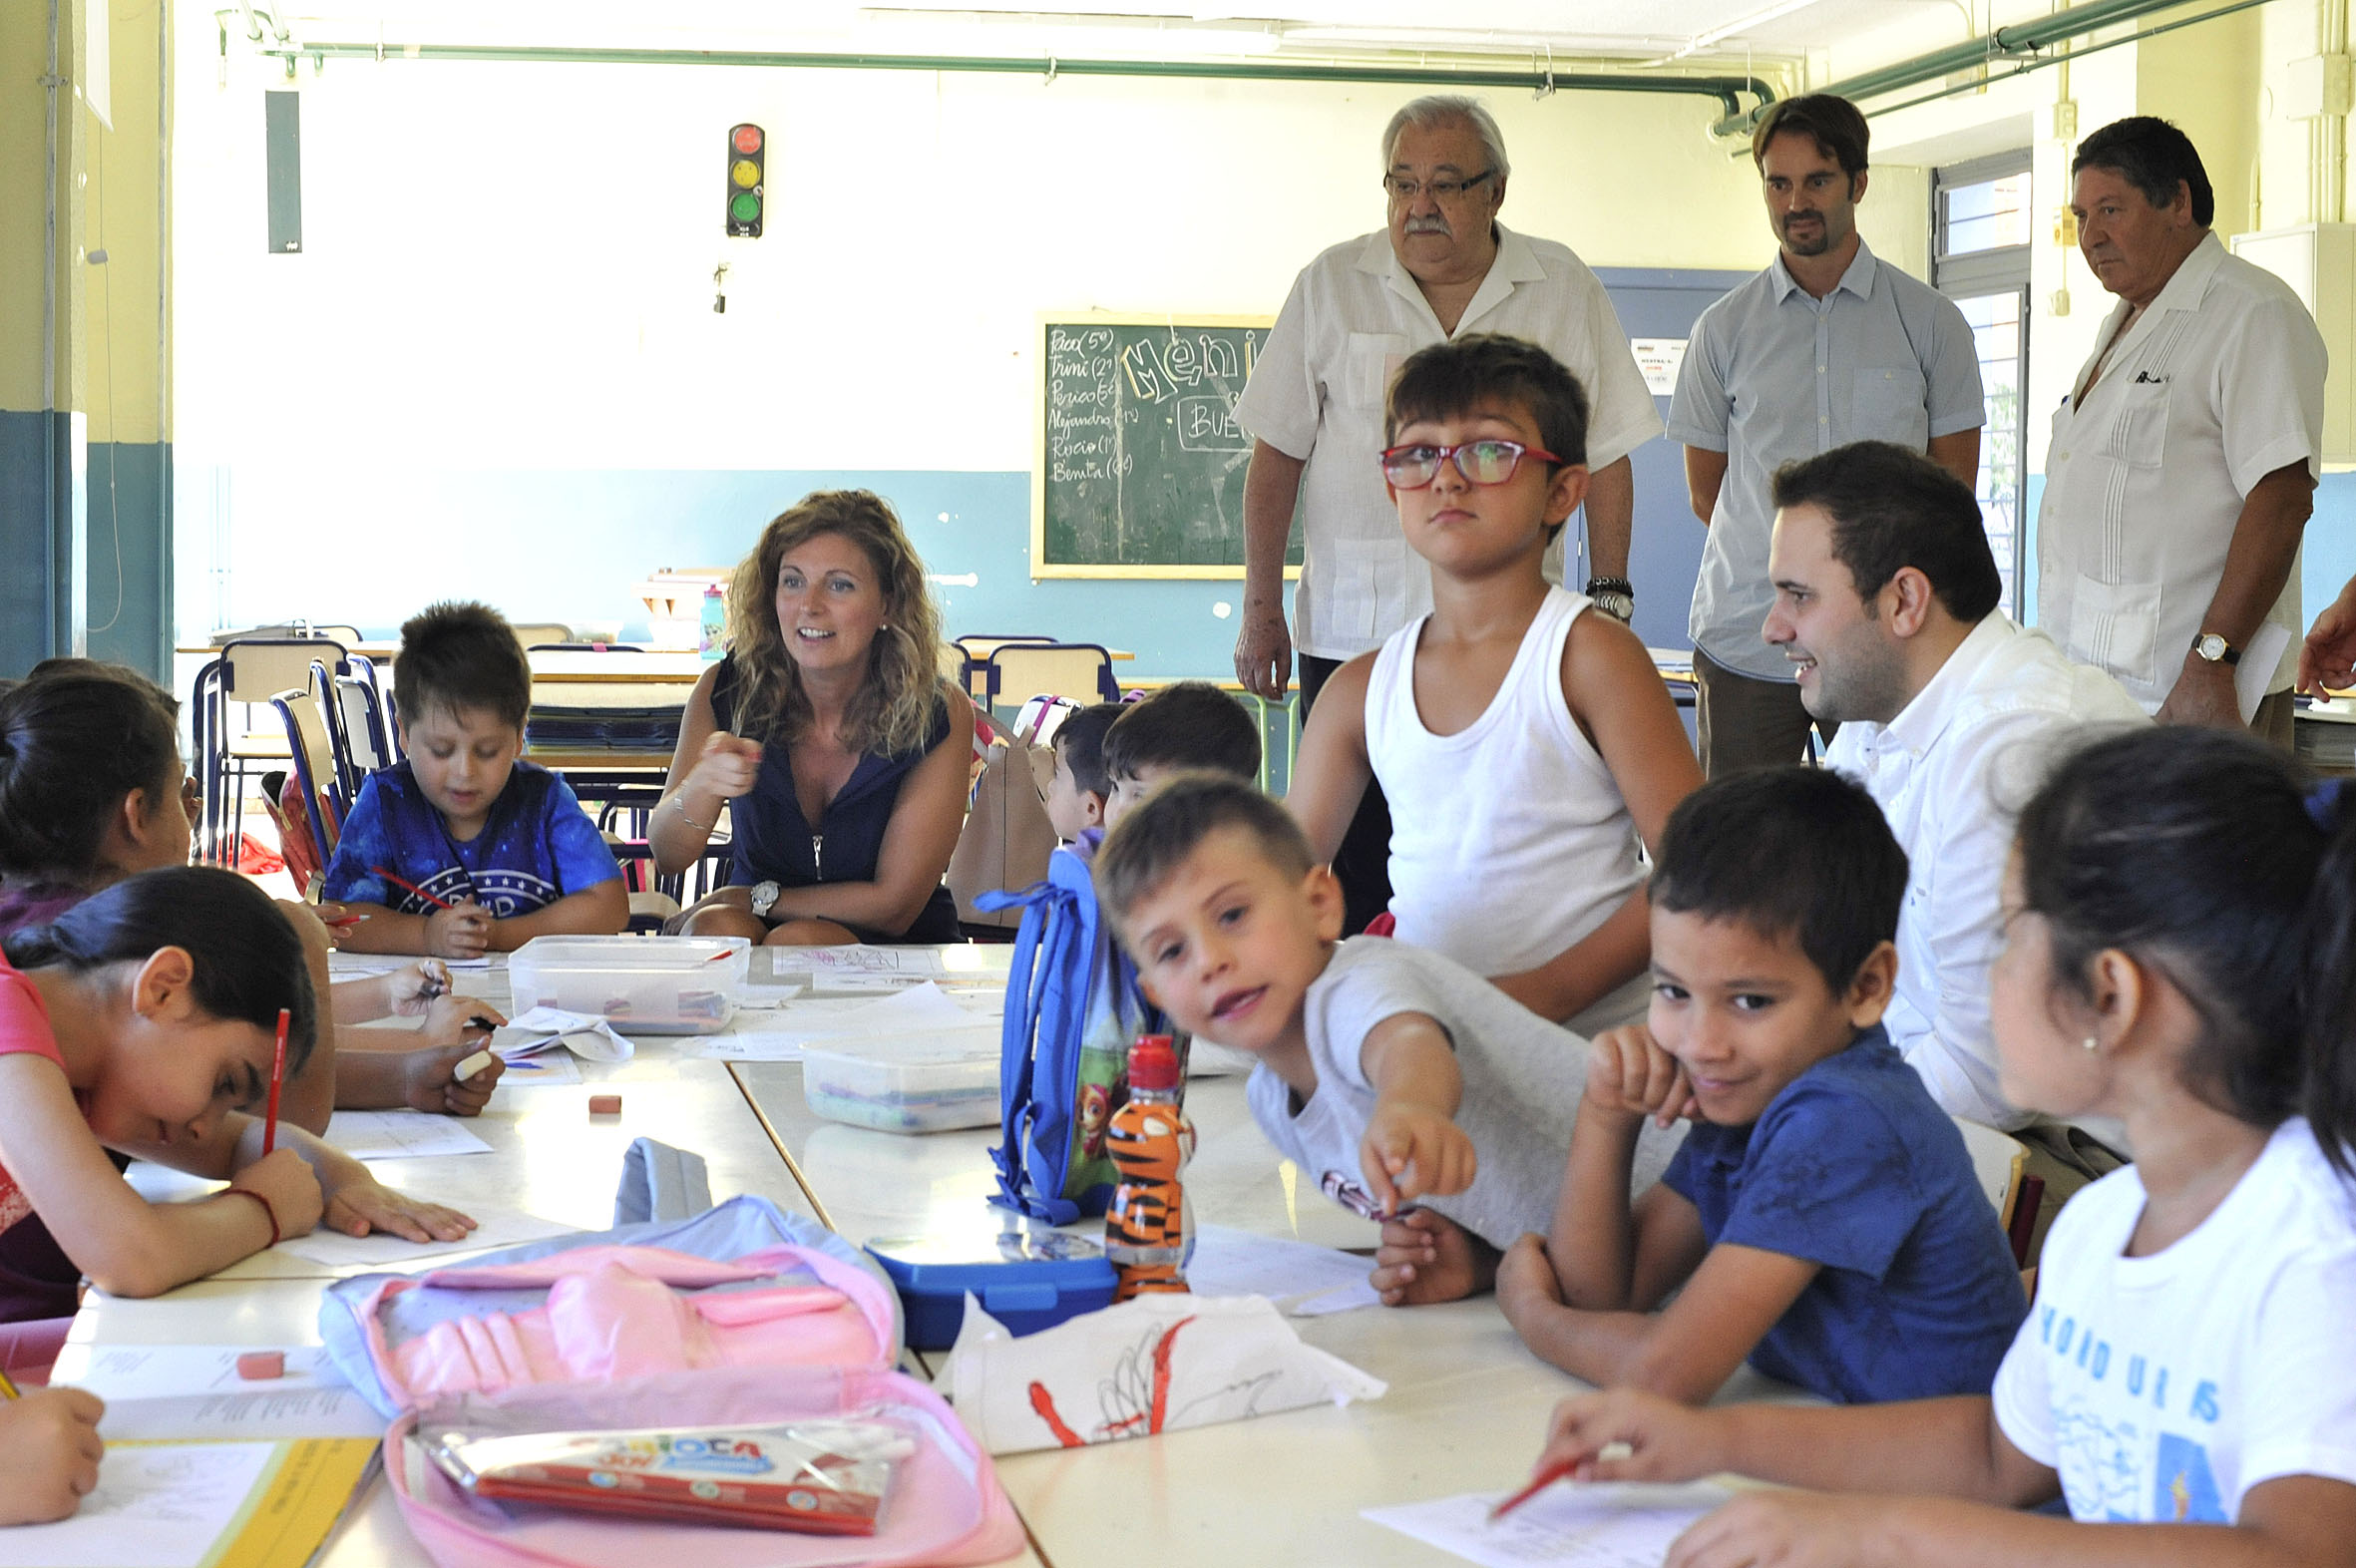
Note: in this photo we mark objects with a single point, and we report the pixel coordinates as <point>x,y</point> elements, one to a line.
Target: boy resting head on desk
<point>1822,1221</point>
<point>1393,1076</point>
<point>463,848</point>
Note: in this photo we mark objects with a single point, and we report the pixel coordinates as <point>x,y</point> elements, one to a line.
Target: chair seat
<point>660,905</point>
<point>260,746</point>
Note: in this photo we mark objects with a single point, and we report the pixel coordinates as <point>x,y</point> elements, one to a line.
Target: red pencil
<point>1538,1483</point>
<point>402,882</point>
<point>270,1126</point>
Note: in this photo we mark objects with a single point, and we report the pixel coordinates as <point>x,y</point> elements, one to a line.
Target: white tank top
<point>1509,841</point>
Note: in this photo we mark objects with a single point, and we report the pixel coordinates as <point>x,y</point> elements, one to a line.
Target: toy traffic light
<point>746,151</point>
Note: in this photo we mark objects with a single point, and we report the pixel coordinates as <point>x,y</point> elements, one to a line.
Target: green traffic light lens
<point>745,207</point>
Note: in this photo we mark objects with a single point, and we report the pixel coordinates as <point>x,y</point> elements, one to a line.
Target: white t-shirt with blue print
<point>2163,1388</point>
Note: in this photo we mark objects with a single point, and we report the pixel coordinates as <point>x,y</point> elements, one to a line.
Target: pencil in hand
<point>270,1126</point>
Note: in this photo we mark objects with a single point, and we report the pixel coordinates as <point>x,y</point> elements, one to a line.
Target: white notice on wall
<point>1659,358</point>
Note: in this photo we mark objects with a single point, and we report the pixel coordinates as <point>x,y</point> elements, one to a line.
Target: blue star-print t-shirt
<point>1854,1167</point>
<point>535,847</point>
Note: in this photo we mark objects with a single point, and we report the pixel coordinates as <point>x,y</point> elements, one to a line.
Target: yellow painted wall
<point>24,118</point>
<point>126,311</point>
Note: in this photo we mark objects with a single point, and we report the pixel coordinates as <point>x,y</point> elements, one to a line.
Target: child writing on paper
<point>1391,1075</point>
<point>2171,908</point>
<point>92,789</point>
<point>464,848</point>
<point>144,1020</point>
<point>53,1447</point>
<point>1822,1220</point>
<point>1525,743</point>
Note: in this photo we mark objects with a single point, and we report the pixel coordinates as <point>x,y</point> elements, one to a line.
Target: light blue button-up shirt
<point>1774,374</point>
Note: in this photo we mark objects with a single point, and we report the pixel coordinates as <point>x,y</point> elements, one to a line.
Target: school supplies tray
<point>1026,1280</point>
<point>639,984</point>
<point>921,1082</point>
<point>817,1478</point>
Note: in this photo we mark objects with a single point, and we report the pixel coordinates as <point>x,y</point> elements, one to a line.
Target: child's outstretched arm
<point>51,1440</point>
<point>1331,771</point>
<point>1617,699</point>
<point>1412,1146</point>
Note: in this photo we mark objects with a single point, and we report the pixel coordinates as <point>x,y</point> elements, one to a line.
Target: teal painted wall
<point>129,528</point>
<point>37,540</point>
<point>567,545</point>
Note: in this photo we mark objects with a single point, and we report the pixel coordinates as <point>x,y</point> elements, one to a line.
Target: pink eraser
<point>261,1366</point>
<point>604,1106</point>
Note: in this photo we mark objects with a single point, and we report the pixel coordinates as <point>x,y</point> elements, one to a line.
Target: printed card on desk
<point>401,1135</point>
<point>1593,1525</point>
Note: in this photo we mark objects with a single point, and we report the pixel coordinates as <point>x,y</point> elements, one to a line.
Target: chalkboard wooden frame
<point>1041,564</point>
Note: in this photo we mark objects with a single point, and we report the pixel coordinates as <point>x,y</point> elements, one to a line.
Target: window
<point>1980,259</point>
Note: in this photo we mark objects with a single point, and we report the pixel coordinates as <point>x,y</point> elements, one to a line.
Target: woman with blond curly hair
<point>831,739</point>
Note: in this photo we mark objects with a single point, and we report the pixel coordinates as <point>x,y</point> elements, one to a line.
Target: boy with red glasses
<point>1526,746</point>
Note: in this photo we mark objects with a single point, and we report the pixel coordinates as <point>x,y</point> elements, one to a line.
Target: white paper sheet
<point>546,1030</point>
<point>157,1372</point>
<point>354,965</point>
<point>556,1066</point>
<point>494,1228</point>
<point>298,1411</point>
<point>920,1012</point>
<point>159,1507</point>
<point>835,962</point>
<point>1615,1525</point>
<point>1304,1279</point>
<point>401,1135</point>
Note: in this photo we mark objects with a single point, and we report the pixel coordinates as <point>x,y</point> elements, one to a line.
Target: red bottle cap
<point>1153,1062</point>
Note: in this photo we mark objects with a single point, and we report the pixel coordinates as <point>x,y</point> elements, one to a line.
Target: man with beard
<point>1825,347</point>
<point>1885,608</point>
<point>1441,268</point>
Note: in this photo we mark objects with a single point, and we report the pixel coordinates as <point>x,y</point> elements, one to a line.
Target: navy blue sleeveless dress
<point>775,843</point>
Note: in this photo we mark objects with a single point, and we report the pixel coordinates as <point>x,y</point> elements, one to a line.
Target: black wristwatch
<point>1615,597</point>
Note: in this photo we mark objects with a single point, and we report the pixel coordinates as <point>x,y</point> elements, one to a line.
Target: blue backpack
<point>1073,1008</point>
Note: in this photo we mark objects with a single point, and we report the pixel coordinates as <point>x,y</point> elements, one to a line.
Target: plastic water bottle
<point>712,643</point>
<point>1147,1231</point>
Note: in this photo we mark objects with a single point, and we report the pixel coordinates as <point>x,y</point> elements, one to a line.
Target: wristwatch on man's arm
<point>1615,597</point>
<point>2214,648</point>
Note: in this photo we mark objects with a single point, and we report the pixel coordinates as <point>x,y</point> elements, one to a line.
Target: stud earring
<point>2091,1044</point>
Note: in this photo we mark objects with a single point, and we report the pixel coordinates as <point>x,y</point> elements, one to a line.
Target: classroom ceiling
<point>1684,33</point>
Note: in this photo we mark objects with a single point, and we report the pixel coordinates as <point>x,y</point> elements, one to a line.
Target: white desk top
<point>1465,1409</point>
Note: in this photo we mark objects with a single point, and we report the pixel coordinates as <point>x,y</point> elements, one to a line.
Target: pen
<point>1538,1483</point>
<point>405,883</point>
<point>270,1126</point>
<point>8,1387</point>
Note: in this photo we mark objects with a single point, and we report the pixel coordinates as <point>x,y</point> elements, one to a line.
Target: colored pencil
<point>404,883</point>
<point>8,1386</point>
<point>270,1126</point>
<point>1538,1483</point>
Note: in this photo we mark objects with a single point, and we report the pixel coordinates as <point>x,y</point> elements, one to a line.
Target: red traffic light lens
<point>746,138</point>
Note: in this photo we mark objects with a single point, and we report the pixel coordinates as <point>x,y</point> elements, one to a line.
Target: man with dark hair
<point>1825,347</point>
<point>1885,604</point>
<point>2183,462</point>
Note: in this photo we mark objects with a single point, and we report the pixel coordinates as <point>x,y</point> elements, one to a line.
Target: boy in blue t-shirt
<point>1821,1220</point>
<point>493,851</point>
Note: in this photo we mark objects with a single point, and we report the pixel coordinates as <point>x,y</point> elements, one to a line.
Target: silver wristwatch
<point>1615,597</point>
<point>765,897</point>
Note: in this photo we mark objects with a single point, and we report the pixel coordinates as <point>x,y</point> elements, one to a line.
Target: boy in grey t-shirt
<point>1411,1089</point>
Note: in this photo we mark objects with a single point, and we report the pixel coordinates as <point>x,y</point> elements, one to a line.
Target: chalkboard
<point>1140,467</point>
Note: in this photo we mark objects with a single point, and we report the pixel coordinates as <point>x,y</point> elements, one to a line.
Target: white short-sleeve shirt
<point>1950,772</point>
<point>1317,392</point>
<point>2163,1388</point>
<point>1773,375</point>
<point>2218,384</point>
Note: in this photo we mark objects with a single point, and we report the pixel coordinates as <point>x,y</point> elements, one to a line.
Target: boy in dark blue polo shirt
<point>464,848</point>
<point>1821,1220</point>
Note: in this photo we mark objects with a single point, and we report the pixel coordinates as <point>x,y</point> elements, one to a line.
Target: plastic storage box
<point>913,1084</point>
<point>1026,1280</point>
<point>639,984</point>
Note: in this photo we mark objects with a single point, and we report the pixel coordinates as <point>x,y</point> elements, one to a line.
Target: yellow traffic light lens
<point>745,173</point>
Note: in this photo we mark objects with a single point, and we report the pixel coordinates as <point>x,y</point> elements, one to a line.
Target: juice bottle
<point>1147,1231</point>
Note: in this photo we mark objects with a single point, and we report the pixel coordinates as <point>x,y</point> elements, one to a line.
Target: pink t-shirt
<point>24,1029</point>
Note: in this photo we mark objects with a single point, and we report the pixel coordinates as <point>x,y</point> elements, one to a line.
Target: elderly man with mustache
<point>1442,268</point>
<point>1827,346</point>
